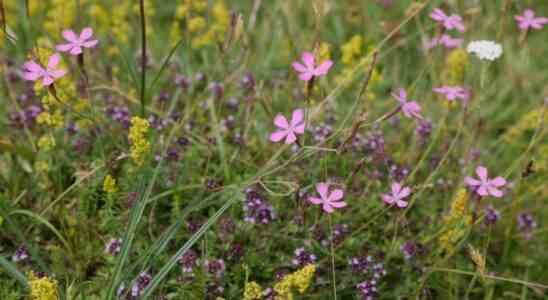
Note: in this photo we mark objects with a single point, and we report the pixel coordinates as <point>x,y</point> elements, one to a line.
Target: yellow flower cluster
<point>43,288</point>
<point>529,121</point>
<point>55,120</point>
<point>192,13</point>
<point>299,280</point>
<point>457,221</point>
<point>456,64</point>
<point>109,185</point>
<point>46,142</point>
<point>252,291</point>
<point>60,15</point>
<point>354,53</point>
<point>137,137</point>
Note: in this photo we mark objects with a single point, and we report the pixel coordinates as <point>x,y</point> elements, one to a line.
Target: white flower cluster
<point>485,49</point>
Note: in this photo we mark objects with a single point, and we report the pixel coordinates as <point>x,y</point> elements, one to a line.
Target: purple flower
<point>257,210</point>
<point>526,224</point>
<point>188,261</point>
<point>216,267</point>
<point>143,280</point>
<point>491,215</point>
<point>21,254</point>
<point>410,109</point>
<point>410,249</point>
<point>303,258</point>
<point>114,246</point>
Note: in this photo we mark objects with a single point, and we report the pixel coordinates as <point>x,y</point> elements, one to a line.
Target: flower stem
<point>143,55</point>
<point>333,260</point>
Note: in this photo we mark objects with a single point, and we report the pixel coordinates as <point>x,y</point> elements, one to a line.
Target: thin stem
<point>333,260</point>
<point>143,55</point>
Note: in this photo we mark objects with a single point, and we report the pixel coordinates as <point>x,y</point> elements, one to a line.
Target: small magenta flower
<point>446,40</point>
<point>528,20</point>
<point>449,22</point>
<point>289,131</point>
<point>33,71</point>
<point>485,186</point>
<point>453,92</point>
<point>309,69</point>
<point>328,200</point>
<point>76,43</point>
<point>397,196</point>
<point>410,109</point>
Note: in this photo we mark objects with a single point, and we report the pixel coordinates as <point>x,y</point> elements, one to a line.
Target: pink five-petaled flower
<point>449,22</point>
<point>309,69</point>
<point>329,201</point>
<point>33,71</point>
<point>75,43</point>
<point>485,186</point>
<point>288,130</point>
<point>397,196</point>
<point>528,20</point>
<point>453,92</point>
<point>409,108</point>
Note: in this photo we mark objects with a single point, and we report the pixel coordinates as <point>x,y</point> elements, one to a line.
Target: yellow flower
<point>43,288</point>
<point>252,291</point>
<point>139,145</point>
<point>455,64</point>
<point>299,280</point>
<point>457,221</point>
<point>196,24</point>
<point>42,166</point>
<point>46,142</point>
<point>352,50</point>
<point>109,185</point>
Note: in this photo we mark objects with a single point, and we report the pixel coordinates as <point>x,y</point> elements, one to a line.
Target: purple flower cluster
<point>26,117</point>
<point>143,280</point>
<point>215,267</point>
<point>113,246</point>
<point>303,258</point>
<point>20,255</point>
<point>188,261</point>
<point>257,210</point>
<point>120,114</point>
<point>375,271</point>
<point>526,224</point>
<point>491,215</point>
<point>411,249</point>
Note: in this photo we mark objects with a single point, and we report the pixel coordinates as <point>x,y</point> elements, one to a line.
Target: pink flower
<point>528,20</point>
<point>446,40</point>
<point>409,108</point>
<point>397,196</point>
<point>309,70</point>
<point>328,200</point>
<point>453,92</point>
<point>288,130</point>
<point>485,186</point>
<point>75,43</point>
<point>449,22</point>
<point>33,71</point>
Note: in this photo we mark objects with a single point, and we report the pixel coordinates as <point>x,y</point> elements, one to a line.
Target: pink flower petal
<point>90,44</point>
<point>299,129</point>
<point>404,192</point>
<point>297,117</point>
<point>299,67</point>
<point>32,67</point>
<point>327,208</point>
<point>495,192</point>
<point>497,182</point>
<point>315,200</point>
<point>401,203</point>
<point>281,122</point>
<point>336,195</point>
<point>387,199</point>
<point>471,181</point>
<point>481,171</point>
<point>53,61</point>
<point>291,138</point>
<point>338,204</point>
<point>46,81</point>
<point>438,14</point>
<point>64,47</point>
<point>305,76</point>
<point>57,73</point>
<point>322,189</point>
<point>69,35</point>
<point>308,60</point>
<point>482,191</point>
<point>76,50</point>
<point>86,34</point>
<point>31,76</point>
<point>396,188</point>
<point>278,136</point>
<point>323,68</point>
